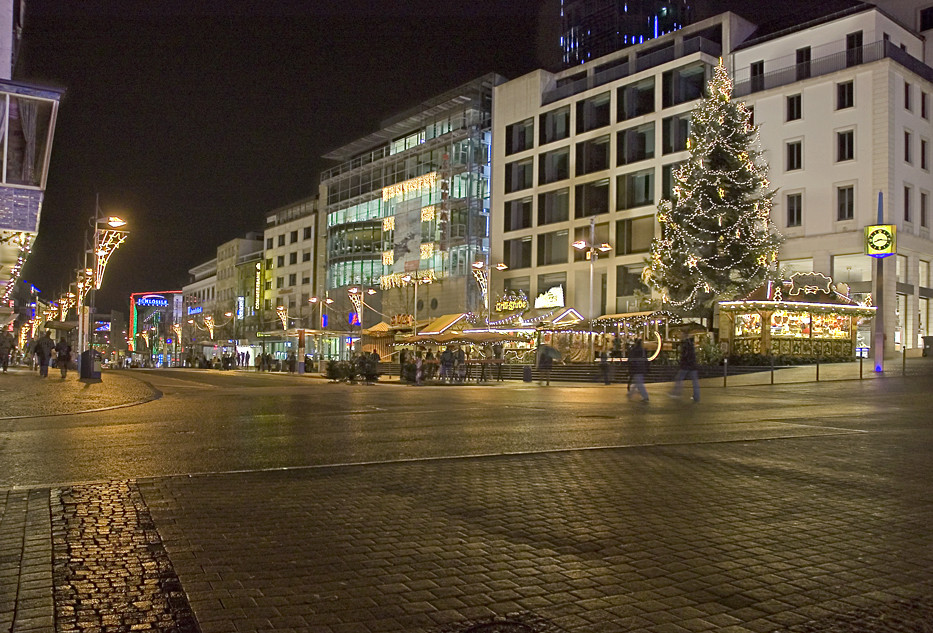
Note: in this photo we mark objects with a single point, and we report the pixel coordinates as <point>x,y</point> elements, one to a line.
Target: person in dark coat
<point>604,367</point>
<point>545,364</point>
<point>688,366</point>
<point>7,345</point>
<point>43,351</point>
<point>638,367</point>
<point>63,356</point>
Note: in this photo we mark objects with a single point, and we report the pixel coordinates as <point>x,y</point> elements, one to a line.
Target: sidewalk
<point>24,394</point>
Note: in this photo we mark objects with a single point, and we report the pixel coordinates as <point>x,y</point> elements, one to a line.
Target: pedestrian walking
<point>688,366</point>
<point>447,365</point>
<point>6,347</point>
<point>637,368</point>
<point>604,367</point>
<point>43,352</point>
<point>63,356</point>
<point>545,364</point>
<point>419,369</point>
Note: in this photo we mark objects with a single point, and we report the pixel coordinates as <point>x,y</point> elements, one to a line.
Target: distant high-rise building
<point>593,28</point>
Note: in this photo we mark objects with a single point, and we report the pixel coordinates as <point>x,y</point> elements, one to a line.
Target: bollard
<point>904,367</point>
<point>772,369</point>
<point>817,367</point>
<point>725,371</point>
<point>860,362</point>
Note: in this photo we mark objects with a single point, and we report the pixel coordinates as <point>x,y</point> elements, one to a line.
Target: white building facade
<point>844,108</point>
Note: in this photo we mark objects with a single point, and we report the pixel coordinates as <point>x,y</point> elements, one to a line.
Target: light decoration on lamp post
<point>483,274</point>
<point>356,298</point>
<point>68,300</point>
<point>106,241</point>
<point>282,313</point>
<point>145,335</point>
<point>416,280</point>
<point>592,250</point>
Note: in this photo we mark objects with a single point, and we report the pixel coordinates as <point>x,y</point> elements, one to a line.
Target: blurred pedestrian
<point>638,367</point>
<point>6,347</point>
<point>63,356</point>
<point>545,364</point>
<point>604,367</point>
<point>43,351</point>
<point>688,366</point>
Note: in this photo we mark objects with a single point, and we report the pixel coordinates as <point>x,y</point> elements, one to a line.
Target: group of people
<point>638,367</point>
<point>43,349</point>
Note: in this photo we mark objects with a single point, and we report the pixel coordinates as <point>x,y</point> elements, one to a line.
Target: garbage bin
<point>526,373</point>
<point>90,365</point>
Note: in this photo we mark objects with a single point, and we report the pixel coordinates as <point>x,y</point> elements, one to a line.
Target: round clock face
<point>879,239</point>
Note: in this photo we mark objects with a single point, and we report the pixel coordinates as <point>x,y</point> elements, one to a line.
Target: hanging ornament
<point>692,261</point>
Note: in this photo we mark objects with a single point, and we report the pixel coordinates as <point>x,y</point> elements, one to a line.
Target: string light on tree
<point>717,239</point>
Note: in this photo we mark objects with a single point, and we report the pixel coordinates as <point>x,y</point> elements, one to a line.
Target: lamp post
<point>483,276</point>
<point>592,250</point>
<point>356,298</point>
<point>415,281</point>
<point>320,303</point>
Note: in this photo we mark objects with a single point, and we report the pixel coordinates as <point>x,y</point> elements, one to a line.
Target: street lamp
<point>356,298</point>
<point>415,281</point>
<point>592,250</point>
<point>320,325</point>
<point>483,276</point>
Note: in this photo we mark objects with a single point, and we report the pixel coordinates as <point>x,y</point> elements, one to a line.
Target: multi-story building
<point>843,104</point>
<point>593,28</point>
<point>409,203</point>
<point>233,303</point>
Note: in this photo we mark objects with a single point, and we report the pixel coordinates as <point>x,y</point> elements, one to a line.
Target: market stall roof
<point>636,318</point>
<point>444,323</point>
<point>380,328</point>
<point>484,337</point>
<point>60,326</point>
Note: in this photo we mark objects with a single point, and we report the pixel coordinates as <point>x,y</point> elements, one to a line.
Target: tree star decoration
<point>717,239</point>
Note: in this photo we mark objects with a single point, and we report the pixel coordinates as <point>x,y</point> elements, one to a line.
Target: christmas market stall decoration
<point>654,327</point>
<point>805,317</point>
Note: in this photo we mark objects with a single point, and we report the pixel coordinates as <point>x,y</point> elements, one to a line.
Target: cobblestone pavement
<point>24,394</point>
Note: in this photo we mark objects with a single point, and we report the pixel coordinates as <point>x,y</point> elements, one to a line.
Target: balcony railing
<point>745,84</point>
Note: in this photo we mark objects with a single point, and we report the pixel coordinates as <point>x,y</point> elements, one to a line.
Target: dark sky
<point>191,119</point>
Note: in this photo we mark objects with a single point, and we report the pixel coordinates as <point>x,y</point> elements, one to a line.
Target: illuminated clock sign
<point>880,240</point>
<point>157,301</point>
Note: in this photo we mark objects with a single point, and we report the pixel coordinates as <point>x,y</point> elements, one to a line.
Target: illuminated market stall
<point>807,317</point>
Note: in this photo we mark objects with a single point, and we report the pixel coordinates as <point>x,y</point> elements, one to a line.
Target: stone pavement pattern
<point>23,393</point>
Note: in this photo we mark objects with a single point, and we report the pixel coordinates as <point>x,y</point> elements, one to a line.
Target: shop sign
<point>402,319</point>
<point>194,310</point>
<point>880,240</point>
<point>257,286</point>
<point>101,326</point>
<point>153,301</point>
<point>512,303</point>
<point>553,298</point>
<point>354,318</point>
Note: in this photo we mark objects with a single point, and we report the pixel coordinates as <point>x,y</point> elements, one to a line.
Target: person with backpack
<point>43,351</point>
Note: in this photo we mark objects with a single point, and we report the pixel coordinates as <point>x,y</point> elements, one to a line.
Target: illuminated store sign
<point>409,186</point>
<point>101,326</point>
<point>153,301</point>
<point>553,298</point>
<point>194,310</point>
<point>512,303</point>
<point>257,286</point>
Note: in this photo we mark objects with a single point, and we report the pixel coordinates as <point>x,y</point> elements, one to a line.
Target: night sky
<point>193,118</point>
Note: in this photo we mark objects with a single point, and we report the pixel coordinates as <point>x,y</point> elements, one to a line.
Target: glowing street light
<point>482,275</point>
<point>592,250</point>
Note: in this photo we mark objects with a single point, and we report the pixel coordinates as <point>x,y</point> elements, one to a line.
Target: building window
<point>635,235</point>
<point>515,284</point>
<point>667,180</point>
<point>280,261</point>
<point>636,99</point>
<point>854,48</point>
<point>635,189</point>
<point>519,175</point>
<point>926,19</point>
<point>308,232</point>
<point>554,166</point>
<point>682,85</point>
<point>794,203</point>
<point>518,214</point>
<point>282,239</point>
<point>592,156</point>
<point>592,198</point>
<point>585,233</point>
<point>751,115</point>
<point>924,198</point>
<point>908,102</point>
<point>593,113</point>
<point>803,62</point>
<point>519,136</point>
<point>292,279</point>
<point>628,280</point>
<point>794,156</point>
<point>306,256</point>
<point>923,154</point>
<point>269,264</point>
<point>635,144</point>
<point>268,285</point>
<point>269,243</point>
<point>553,248</point>
<point>675,130</point>
<point>845,95</point>
<point>554,206</point>
<point>517,252</point>
<point>907,138</point>
<point>551,280</point>
<point>280,282</point>
<point>294,237</point>
<point>757,71</point>
<point>794,108</point>
<point>907,192</point>
<point>293,258</point>
<point>845,145</point>
<point>554,125</point>
<point>923,106</point>
<point>845,202</point>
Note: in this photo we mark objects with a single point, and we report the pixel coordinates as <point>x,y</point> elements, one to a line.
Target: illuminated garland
<point>717,238</point>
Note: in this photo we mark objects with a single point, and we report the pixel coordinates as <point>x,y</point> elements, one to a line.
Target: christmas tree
<point>717,239</point>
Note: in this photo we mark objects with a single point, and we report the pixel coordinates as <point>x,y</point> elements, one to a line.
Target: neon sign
<point>195,310</point>
<point>152,300</point>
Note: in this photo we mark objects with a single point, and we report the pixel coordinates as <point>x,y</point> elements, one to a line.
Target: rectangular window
<point>308,233</point>
<point>845,95</point>
<point>635,144</point>
<point>845,145</point>
<point>628,280</point>
<point>923,106</point>
<point>908,102</point>
<point>591,198</point>
<point>845,202</point>
<point>854,48</point>
<point>794,156</point>
<point>926,19</point>
<point>554,166</point>
<point>635,235</point>
<point>518,214</point>
<point>924,200</point>
<point>553,206</point>
<point>280,282</point>
<point>751,115</point>
<point>517,252</point>
<point>280,261</point>
<point>282,239</point>
<point>593,113</point>
<point>269,264</point>
<point>636,99</point>
<point>553,248</point>
<point>514,284</point>
<point>294,237</point>
<point>675,130</point>
<point>907,139</point>
<point>293,258</point>
<point>907,192</point>
<point>794,108</point>
<point>757,71</point>
<point>519,175</point>
<point>683,84</point>
<point>635,189</point>
<point>794,203</point>
<point>292,279</point>
<point>667,180</point>
<point>923,154</point>
<point>306,256</point>
<point>551,280</point>
<point>803,62</point>
<point>269,243</point>
<point>554,125</point>
<point>585,234</point>
<point>519,136</point>
<point>592,155</point>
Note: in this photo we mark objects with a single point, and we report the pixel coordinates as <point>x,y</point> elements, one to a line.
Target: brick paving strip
<point>111,572</point>
<point>25,562</point>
